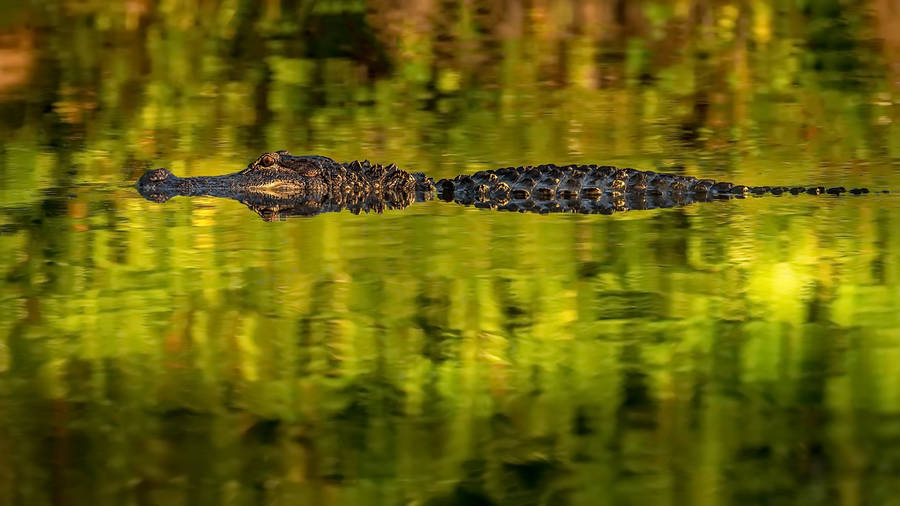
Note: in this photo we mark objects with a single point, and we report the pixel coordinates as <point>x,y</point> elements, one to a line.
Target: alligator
<point>278,184</point>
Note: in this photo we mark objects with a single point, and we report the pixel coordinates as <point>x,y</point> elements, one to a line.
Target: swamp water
<point>189,353</point>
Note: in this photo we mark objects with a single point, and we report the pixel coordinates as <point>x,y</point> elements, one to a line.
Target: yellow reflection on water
<point>728,352</point>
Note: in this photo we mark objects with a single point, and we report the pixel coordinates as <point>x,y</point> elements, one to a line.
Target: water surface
<point>740,352</point>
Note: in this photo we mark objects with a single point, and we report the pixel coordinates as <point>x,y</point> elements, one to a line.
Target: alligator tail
<point>597,189</point>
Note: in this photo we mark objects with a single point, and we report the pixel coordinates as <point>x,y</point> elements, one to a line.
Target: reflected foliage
<point>738,352</point>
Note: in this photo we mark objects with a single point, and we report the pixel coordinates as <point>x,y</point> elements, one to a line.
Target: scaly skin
<point>279,184</point>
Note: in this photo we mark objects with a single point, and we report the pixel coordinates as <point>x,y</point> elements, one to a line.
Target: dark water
<point>743,352</point>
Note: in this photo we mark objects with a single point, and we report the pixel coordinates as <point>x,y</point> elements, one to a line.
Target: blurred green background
<point>741,352</point>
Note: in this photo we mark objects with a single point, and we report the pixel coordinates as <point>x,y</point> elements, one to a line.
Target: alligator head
<point>277,174</point>
<point>279,184</point>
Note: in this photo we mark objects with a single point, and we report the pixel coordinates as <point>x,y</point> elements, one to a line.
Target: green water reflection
<point>737,352</point>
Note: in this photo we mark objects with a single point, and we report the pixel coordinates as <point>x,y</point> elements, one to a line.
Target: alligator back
<point>596,189</point>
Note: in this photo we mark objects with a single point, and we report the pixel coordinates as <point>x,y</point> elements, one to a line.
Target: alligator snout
<point>157,185</point>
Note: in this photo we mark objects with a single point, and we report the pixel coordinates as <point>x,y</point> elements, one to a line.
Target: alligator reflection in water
<point>277,185</point>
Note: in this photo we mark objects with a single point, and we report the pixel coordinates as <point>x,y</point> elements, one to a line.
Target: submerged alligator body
<point>277,185</point>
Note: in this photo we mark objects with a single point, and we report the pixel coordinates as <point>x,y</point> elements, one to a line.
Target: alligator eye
<point>267,160</point>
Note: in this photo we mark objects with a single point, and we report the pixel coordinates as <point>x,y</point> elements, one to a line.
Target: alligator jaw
<point>160,185</point>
